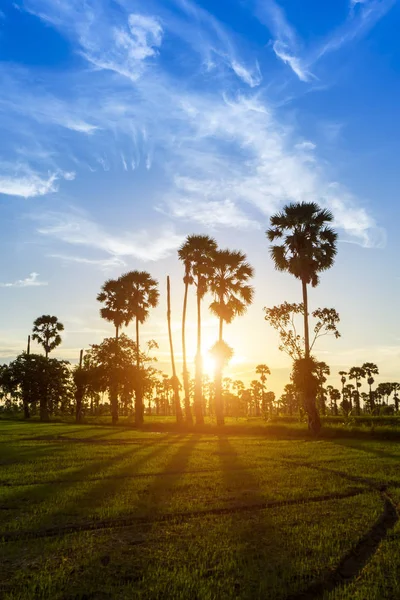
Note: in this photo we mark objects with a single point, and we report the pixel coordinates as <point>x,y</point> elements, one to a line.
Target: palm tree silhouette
<point>115,310</point>
<point>308,246</point>
<point>263,371</point>
<point>370,370</point>
<point>196,255</point>
<point>357,373</point>
<point>232,295</point>
<point>141,293</point>
<point>46,332</point>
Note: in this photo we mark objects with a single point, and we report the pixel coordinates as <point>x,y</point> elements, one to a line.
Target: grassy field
<point>95,512</point>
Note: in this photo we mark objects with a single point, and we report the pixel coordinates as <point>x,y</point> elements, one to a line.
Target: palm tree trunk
<point>79,391</point>
<point>138,389</point>
<point>114,382</point>
<point>198,385</point>
<point>219,412</point>
<point>314,422</point>
<point>188,412</point>
<point>175,381</point>
<point>371,400</point>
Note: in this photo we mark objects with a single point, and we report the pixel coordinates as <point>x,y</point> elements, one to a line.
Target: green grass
<point>95,512</point>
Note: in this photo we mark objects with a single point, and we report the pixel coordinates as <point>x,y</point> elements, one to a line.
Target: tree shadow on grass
<point>363,446</point>
<point>260,559</point>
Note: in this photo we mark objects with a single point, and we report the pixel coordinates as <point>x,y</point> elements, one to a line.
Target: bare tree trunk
<point>198,385</point>
<point>175,380</point>
<point>314,422</point>
<point>188,412</point>
<point>138,388</point>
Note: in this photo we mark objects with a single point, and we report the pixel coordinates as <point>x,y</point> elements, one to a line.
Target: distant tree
<point>322,369</point>
<point>196,255</point>
<point>396,389</point>
<point>288,399</point>
<point>46,332</point>
<point>263,370</point>
<point>267,403</point>
<point>357,373</point>
<point>308,246</point>
<point>370,370</point>
<point>256,392</point>
<point>232,295</point>
<point>222,354</point>
<point>334,396</point>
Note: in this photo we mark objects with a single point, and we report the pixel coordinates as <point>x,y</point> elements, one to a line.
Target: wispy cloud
<point>78,230</point>
<point>105,264</point>
<point>21,180</point>
<point>31,281</point>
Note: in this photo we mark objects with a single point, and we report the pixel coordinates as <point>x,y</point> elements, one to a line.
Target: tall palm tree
<point>115,311</point>
<point>46,332</point>
<point>263,370</point>
<point>371,369</point>
<point>308,246</point>
<point>175,380</point>
<point>196,255</point>
<point>141,293</point>
<point>232,295</point>
<point>322,370</point>
<point>357,373</point>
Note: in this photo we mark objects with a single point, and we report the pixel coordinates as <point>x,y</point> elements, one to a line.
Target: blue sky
<point>127,125</point>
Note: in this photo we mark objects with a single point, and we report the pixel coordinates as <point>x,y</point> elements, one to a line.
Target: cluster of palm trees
<point>373,401</point>
<point>224,274</point>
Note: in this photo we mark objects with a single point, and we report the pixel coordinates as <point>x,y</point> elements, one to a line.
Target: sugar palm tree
<point>196,255</point>
<point>175,380</point>
<point>307,247</point>
<point>232,295</point>
<point>371,369</point>
<point>46,332</point>
<point>141,293</point>
<point>263,370</point>
<point>357,373</point>
<point>322,370</point>
<point>115,311</point>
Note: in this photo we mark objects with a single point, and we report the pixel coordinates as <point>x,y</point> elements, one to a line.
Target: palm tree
<point>196,255</point>
<point>334,396</point>
<point>115,310</point>
<point>396,389</point>
<point>322,370</point>
<point>263,371</point>
<point>175,380</point>
<point>141,293</point>
<point>357,373</point>
<point>308,246</point>
<point>46,332</point>
<point>343,380</point>
<point>370,370</point>
<point>232,295</point>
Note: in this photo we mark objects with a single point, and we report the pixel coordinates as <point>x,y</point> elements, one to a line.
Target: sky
<point>126,125</point>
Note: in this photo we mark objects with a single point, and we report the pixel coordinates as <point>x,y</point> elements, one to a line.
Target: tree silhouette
<point>232,295</point>
<point>357,373</point>
<point>322,369</point>
<point>196,255</point>
<point>46,332</point>
<point>141,294</point>
<point>115,311</point>
<point>334,396</point>
<point>370,369</point>
<point>263,370</point>
<point>308,246</point>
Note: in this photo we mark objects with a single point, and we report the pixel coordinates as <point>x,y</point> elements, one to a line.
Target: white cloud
<point>104,264</point>
<point>283,52</point>
<point>31,281</point>
<point>252,79</point>
<point>75,229</point>
<point>27,185</point>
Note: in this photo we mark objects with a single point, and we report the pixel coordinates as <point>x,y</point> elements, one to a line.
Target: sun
<point>208,365</point>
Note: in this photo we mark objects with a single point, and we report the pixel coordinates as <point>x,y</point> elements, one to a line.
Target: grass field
<point>94,512</point>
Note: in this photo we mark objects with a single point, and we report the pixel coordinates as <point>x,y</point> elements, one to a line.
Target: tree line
<point>119,375</point>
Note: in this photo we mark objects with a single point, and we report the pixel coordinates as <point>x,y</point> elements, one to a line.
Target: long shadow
<point>44,492</point>
<point>364,448</point>
<point>252,533</point>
